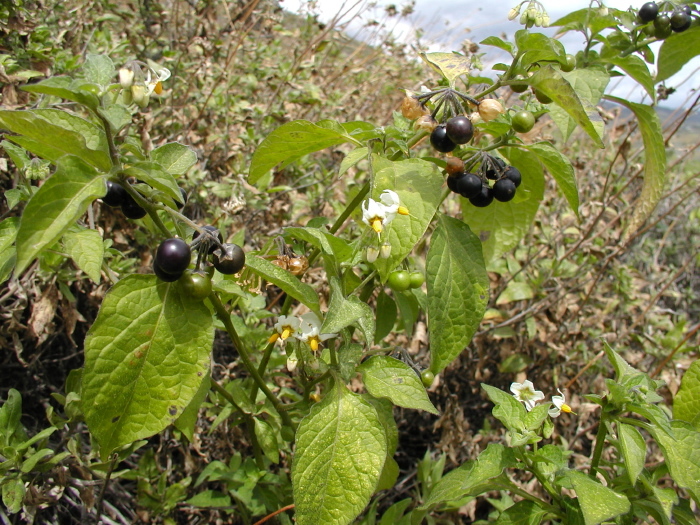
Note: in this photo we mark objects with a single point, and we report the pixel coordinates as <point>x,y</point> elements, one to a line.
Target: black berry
<point>229,259</point>
<point>680,21</point>
<point>469,186</point>
<point>662,27</point>
<point>513,174</point>
<point>648,12</point>
<point>167,277</point>
<point>131,209</point>
<point>116,194</point>
<point>686,9</point>
<point>483,198</point>
<point>504,190</point>
<point>440,140</point>
<point>212,245</point>
<point>173,256</point>
<point>459,130</point>
<point>452,181</point>
<point>493,168</point>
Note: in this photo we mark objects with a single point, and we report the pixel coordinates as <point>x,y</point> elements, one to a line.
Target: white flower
<point>285,326</point>
<point>559,405</point>
<point>390,199</point>
<point>310,328</point>
<point>155,77</point>
<point>126,77</point>
<point>374,215</point>
<point>526,393</point>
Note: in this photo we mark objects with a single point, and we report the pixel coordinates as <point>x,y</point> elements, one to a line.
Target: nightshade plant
<point>147,355</point>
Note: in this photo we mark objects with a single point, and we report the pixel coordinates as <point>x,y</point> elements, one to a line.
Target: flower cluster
<point>139,81</point>
<point>306,329</point>
<point>525,392</point>
<point>378,215</point>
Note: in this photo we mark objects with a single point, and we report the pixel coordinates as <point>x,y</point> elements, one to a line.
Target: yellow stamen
<point>377,225</point>
<point>403,210</point>
<point>566,408</point>
<point>313,343</point>
<point>158,89</point>
<point>273,338</point>
<point>286,332</point>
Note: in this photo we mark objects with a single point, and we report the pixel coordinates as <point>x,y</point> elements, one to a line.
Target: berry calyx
<point>469,186</point>
<point>513,174</point>
<point>229,259</point>
<point>196,284</point>
<point>416,279</point>
<point>484,197</point>
<point>116,194</point>
<point>648,12</point>
<point>399,280</point>
<point>504,190</point>
<point>490,109</point>
<point>427,378</point>
<point>440,140</point>
<point>459,129</point>
<point>208,242</point>
<point>523,121</point>
<point>493,168</point>
<point>173,256</point>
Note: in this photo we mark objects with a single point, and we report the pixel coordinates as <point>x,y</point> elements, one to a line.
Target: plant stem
<point>599,444</point>
<point>225,318</point>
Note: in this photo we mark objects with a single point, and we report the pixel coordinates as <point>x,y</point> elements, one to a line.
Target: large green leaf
<point>175,158</point>
<point>340,452</point>
<point>8,234</point>
<point>64,87</point>
<point>686,404</point>
<point>502,225</point>
<point>419,186</point>
<point>388,377</point>
<point>636,68</point>
<point>598,503</point>
<point>654,163</point>
<point>449,65</point>
<point>458,290</point>
<point>330,245</point>
<point>634,451</point>
<point>60,201</point>
<point>51,134</point>
<point>341,311</point>
<point>283,279</point>
<point>86,248</point>
<point>682,453</point>
<point>522,513</point>
<point>676,51</point>
<point>575,96</point>
<point>99,70</point>
<point>292,141</point>
<point>536,47</point>
<point>145,357</point>
<point>559,167</point>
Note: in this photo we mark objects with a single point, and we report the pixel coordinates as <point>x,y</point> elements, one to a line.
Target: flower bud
<point>126,77</point>
<point>385,250</point>
<point>371,254</point>
<point>490,109</point>
<point>523,18</point>
<point>513,13</point>
<point>141,96</point>
<point>603,11</point>
<point>538,20</point>
<point>545,20</point>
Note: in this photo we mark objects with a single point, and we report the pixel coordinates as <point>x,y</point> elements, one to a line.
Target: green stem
<point>225,318</point>
<point>599,444</point>
<point>150,209</point>
<point>113,152</point>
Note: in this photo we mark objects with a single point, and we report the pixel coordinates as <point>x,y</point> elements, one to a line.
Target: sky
<point>447,23</point>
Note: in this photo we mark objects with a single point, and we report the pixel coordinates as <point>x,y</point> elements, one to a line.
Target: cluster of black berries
<point>174,255</point>
<point>446,137</point>
<point>118,197</point>
<point>475,187</point>
<point>664,23</point>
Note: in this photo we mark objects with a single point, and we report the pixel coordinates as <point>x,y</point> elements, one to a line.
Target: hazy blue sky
<point>447,23</point>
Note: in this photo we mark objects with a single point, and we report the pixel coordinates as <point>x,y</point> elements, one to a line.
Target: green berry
<point>399,280</point>
<point>523,121</point>
<point>417,279</point>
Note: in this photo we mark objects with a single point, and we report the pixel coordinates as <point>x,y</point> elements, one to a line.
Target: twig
<point>270,516</point>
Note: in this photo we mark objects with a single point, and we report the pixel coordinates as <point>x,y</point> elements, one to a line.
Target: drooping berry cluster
<point>666,18</point>
<point>475,186</point>
<point>118,197</point>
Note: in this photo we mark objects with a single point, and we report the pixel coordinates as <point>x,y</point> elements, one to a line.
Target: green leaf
<point>458,290</point>
<point>634,450</point>
<point>86,248</point>
<point>16,154</point>
<point>575,95</point>
<point>502,225</point>
<point>11,431</point>
<point>31,462</point>
<point>64,87</point>
<point>419,187</point>
<point>13,197</point>
<point>449,65</point>
<point>60,201</point>
<point>290,142</point>
<point>341,312</point>
<point>499,43</point>
<point>386,316</point>
<point>654,163</point>
<point>328,243</point>
<point>351,159</point>
<point>366,320</point>
<point>175,158</point>
<point>559,166</point>
<point>636,68</point>
<point>522,513</point>
<point>51,134</point>
<point>598,503</point>
<point>267,439</point>
<point>676,51</point>
<point>155,176</point>
<point>686,404</point>
<point>341,448</point>
<point>117,116</point>
<point>8,234</point>
<point>188,419</point>
<point>13,492</point>
<point>210,499</point>
<point>284,280</point>
<point>395,380</point>
<point>98,69</point>
<point>507,409</point>
<point>515,291</point>
<point>472,478</point>
<point>146,355</point>
<point>536,47</point>
<point>682,453</point>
